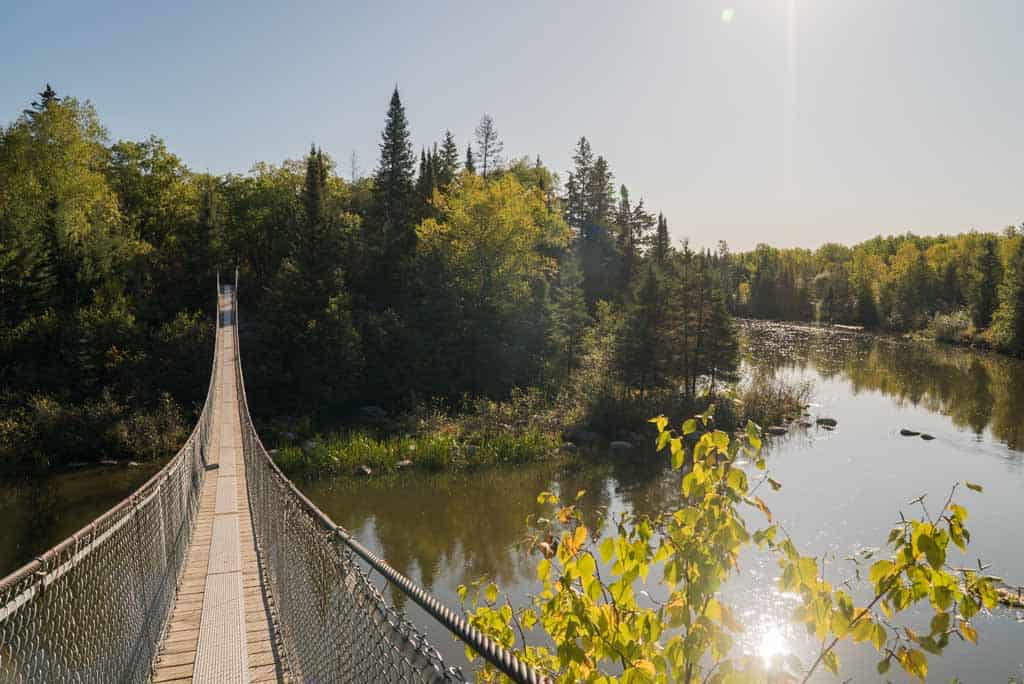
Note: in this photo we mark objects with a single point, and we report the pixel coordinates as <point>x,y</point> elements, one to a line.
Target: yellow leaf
<point>969,633</point>
<point>645,666</point>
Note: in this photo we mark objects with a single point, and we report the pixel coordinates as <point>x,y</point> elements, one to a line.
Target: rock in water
<point>775,430</point>
<point>827,422</point>
<point>805,424</point>
<point>404,463</point>
<point>925,436</point>
<point>909,433</point>
<point>364,470</point>
<point>619,445</point>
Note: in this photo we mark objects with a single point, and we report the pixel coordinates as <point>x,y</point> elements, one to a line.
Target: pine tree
<point>426,182</point>
<point>314,188</point>
<point>448,161</point>
<point>470,163</point>
<point>641,352</point>
<point>47,97</point>
<point>394,193</point>
<point>983,294</point>
<point>569,315</point>
<point>661,240</point>
<point>488,145</point>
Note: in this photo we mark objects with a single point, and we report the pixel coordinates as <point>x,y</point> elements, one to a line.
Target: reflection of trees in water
<point>465,526</point>
<point>975,390</point>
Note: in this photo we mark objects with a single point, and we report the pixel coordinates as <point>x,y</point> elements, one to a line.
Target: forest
<point>449,277</point>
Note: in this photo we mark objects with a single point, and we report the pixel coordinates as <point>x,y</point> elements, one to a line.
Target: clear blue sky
<point>791,121</point>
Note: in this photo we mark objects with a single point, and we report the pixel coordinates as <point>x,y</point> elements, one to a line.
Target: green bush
<point>952,327</point>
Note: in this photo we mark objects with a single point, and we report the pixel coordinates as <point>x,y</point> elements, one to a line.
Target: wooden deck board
<point>222,547</point>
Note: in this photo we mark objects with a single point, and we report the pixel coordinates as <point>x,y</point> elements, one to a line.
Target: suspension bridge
<point>218,569</point>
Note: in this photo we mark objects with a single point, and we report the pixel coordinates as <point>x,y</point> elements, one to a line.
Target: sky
<point>794,122</point>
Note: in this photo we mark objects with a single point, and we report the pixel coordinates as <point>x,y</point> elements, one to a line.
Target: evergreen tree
<point>313,189</point>
<point>47,97</point>
<point>569,315</point>
<point>470,162</point>
<point>661,240</point>
<point>722,352</point>
<point>488,145</point>
<point>448,161</point>
<point>983,294</point>
<point>427,181</point>
<point>641,351</point>
<point>1008,321</point>
<point>394,193</point>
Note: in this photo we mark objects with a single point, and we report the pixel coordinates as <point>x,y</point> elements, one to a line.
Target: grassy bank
<point>527,427</point>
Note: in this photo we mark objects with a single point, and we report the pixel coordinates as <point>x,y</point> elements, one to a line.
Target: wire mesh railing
<point>94,607</point>
<point>333,623</point>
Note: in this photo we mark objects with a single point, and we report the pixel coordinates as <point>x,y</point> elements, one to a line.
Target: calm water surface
<point>37,513</point>
<point>842,490</point>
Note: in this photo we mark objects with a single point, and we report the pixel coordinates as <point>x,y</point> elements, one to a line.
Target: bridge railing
<point>94,607</point>
<point>333,622</point>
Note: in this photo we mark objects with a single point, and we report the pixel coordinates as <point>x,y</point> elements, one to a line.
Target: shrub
<point>951,327</point>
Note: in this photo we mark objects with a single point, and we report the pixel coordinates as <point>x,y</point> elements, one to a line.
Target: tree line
<point>967,287</point>
<point>446,274</point>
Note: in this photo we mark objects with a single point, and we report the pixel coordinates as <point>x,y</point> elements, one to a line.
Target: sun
<point>727,15</point>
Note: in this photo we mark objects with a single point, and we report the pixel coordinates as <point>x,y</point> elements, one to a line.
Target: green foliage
<point>1008,322</point>
<point>592,622</point>
<point>951,327</point>
<point>899,282</point>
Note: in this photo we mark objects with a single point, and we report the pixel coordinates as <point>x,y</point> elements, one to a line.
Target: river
<point>841,491</point>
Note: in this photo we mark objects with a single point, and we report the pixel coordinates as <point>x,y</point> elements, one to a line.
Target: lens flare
<point>727,15</point>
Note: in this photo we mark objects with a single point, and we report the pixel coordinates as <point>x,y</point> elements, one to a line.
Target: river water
<point>841,492</point>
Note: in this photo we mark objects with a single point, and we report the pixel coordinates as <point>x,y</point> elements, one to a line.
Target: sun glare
<point>773,644</point>
<point>727,15</point>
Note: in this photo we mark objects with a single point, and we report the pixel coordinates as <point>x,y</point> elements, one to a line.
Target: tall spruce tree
<point>448,161</point>
<point>393,191</point>
<point>470,162</point>
<point>661,240</point>
<point>488,146</point>
<point>569,315</point>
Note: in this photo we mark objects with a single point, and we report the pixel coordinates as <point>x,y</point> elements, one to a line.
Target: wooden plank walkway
<point>220,629</point>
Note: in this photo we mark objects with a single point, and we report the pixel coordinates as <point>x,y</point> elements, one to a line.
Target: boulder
<point>827,422</point>
<point>926,437</point>
<point>619,446</point>
<point>906,432</point>
<point>132,464</point>
<point>775,430</point>
<point>364,470</point>
<point>404,463</point>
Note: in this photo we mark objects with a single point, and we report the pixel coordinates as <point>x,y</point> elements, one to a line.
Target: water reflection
<point>977,391</point>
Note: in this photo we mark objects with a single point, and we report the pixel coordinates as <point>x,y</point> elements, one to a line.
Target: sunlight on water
<point>773,643</point>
